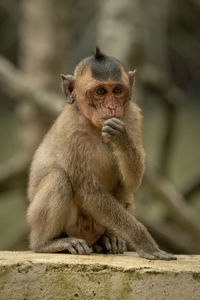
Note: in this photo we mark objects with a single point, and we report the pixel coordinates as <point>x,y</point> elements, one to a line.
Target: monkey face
<point>101,88</point>
<point>105,100</point>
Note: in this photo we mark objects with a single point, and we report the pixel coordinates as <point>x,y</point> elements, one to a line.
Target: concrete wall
<point>27,275</point>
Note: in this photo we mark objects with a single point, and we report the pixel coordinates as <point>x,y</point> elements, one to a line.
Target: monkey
<point>84,174</point>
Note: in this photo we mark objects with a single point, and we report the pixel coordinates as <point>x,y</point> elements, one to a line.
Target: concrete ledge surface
<point>28,275</point>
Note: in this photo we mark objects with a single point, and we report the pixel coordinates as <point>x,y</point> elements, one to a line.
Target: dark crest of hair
<point>104,67</point>
<point>98,54</point>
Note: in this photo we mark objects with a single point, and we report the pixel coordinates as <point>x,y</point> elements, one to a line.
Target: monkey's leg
<point>50,211</point>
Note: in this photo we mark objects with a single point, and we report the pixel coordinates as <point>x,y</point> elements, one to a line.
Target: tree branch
<point>171,236</point>
<point>155,81</point>
<point>192,189</point>
<point>174,201</point>
<point>170,98</point>
<point>16,85</point>
<point>13,172</point>
<point>170,117</point>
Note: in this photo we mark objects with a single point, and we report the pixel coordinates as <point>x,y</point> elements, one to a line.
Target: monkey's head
<point>101,87</point>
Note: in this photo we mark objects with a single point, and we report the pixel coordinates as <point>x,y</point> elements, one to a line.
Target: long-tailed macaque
<point>86,170</point>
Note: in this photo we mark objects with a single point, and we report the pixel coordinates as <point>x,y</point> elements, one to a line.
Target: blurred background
<point>161,40</point>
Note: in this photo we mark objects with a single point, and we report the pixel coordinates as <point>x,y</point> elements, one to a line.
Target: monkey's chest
<point>106,169</point>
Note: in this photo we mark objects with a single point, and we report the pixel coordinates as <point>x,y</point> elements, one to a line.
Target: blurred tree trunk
<point>47,49</point>
<point>137,35</point>
<point>119,29</point>
<point>46,43</point>
<point>120,33</point>
<point>155,18</point>
<point>46,39</point>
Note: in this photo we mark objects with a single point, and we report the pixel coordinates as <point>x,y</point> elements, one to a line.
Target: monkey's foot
<point>77,246</point>
<point>113,244</point>
<point>159,254</point>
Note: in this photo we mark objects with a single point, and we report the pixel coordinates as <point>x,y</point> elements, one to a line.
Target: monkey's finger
<point>146,255</point>
<point>124,246</point>
<point>110,130</point>
<point>121,245</point>
<point>164,256</point>
<point>107,243</point>
<point>85,247</point>
<point>114,125</point>
<point>157,255</point>
<point>171,256</point>
<point>114,245</point>
<point>116,120</point>
<point>79,248</point>
<point>107,135</point>
<point>71,249</point>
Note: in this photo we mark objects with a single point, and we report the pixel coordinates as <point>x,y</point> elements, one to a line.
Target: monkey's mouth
<point>105,118</point>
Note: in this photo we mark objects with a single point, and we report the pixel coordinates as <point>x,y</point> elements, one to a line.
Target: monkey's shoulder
<point>134,114</point>
<point>133,121</point>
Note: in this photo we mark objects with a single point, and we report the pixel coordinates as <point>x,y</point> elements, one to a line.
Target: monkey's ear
<point>68,86</point>
<point>131,75</point>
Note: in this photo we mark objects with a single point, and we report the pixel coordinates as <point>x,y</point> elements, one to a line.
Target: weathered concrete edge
<point>128,262</point>
<point>27,275</point>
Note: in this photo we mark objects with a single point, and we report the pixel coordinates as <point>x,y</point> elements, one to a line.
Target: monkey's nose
<point>111,111</point>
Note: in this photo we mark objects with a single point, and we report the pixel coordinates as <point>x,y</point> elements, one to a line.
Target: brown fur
<point>82,179</point>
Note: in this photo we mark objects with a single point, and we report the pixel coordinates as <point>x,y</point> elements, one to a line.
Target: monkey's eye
<point>117,90</point>
<point>100,91</point>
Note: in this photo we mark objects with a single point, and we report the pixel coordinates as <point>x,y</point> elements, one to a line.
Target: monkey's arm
<point>109,241</point>
<point>94,201</point>
<point>109,213</point>
<point>129,152</point>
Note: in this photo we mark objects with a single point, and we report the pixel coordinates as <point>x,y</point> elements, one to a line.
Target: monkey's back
<point>47,154</point>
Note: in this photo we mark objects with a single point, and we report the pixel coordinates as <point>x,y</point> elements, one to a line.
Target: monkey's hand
<point>113,244</point>
<point>146,247</point>
<point>114,130</point>
<point>159,254</point>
